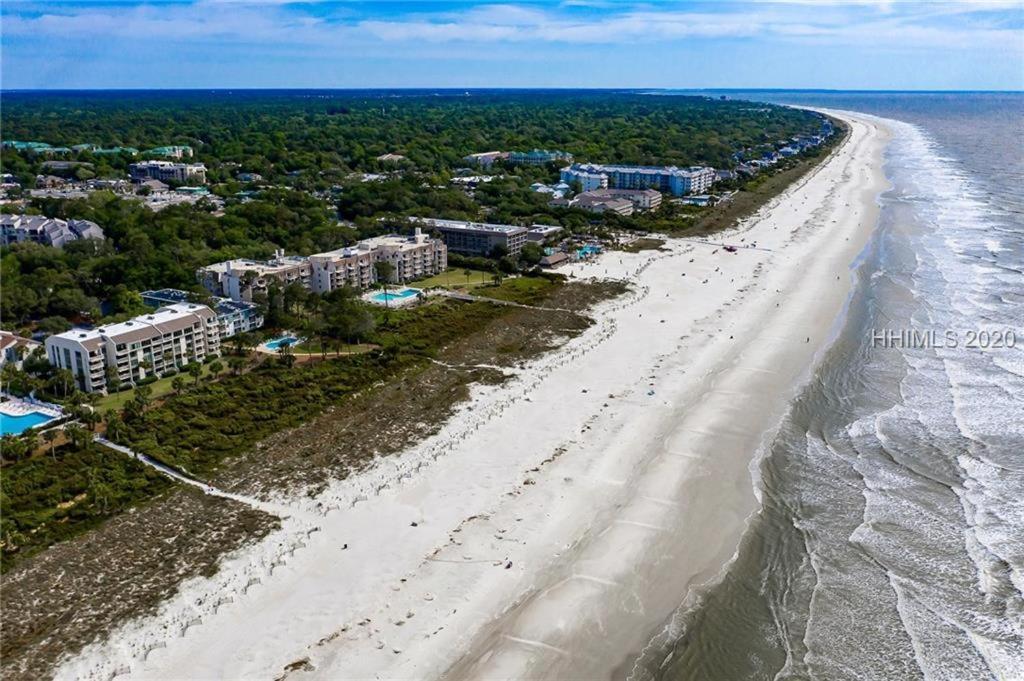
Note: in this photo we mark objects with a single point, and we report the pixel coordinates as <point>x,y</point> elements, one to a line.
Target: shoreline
<point>571,476</point>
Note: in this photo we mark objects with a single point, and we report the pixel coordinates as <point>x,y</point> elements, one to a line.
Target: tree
<point>78,436</point>
<point>216,366</point>
<point>236,364</point>
<point>177,384</point>
<point>287,355</point>
<point>113,379</point>
<point>63,381</point>
<point>91,418</point>
<point>50,436</point>
<point>195,370</point>
<point>116,430</point>
<point>12,448</point>
<point>384,271</point>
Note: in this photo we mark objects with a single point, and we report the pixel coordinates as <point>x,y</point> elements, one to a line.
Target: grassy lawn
<point>454,278</point>
<point>525,290</point>
<point>313,347</point>
<point>160,388</point>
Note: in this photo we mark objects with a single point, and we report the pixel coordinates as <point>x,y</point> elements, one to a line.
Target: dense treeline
<point>307,146</point>
<point>146,249</point>
<point>318,134</point>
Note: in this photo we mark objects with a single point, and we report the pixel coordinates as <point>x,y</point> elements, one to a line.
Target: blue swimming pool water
<point>396,295</point>
<point>277,343</point>
<point>589,249</point>
<point>16,425</point>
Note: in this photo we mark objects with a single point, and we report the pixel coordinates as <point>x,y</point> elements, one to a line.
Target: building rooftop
<point>471,226</point>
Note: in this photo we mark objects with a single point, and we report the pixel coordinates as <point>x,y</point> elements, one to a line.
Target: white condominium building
<point>411,257</point>
<point>46,231</point>
<point>168,171</point>
<point>240,279</point>
<point>169,338</point>
<point>477,238</point>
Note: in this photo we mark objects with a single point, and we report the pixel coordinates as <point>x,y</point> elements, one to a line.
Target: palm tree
<point>177,384</point>
<point>385,271</point>
<point>195,370</point>
<point>236,364</point>
<point>50,436</point>
<point>31,440</point>
<point>287,356</point>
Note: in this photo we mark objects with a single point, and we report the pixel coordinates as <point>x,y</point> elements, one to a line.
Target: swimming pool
<point>391,296</point>
<point>589,249</point>
<point>283,341</point>
<point>16,424</point>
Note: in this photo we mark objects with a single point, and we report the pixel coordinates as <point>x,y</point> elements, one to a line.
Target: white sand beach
<point>561,517</point>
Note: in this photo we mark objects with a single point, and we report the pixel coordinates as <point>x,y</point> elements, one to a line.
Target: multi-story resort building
<point>642,199</point>
<point>538,157</point>
<point>168,171</point>
<point>46,231</point>
<point>485,159</point>
<point>587,182</point>
<point>234,316</point>
<point>171,152</point>
<point>594,203</point>
<point>541,233</point>
<point>476,238</point>
<point>151,344</point>
<point>240,279</point>
<point>411,257</point>
<point>677,181</point>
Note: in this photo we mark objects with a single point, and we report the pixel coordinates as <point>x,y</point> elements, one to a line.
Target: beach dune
<point>573,509</point>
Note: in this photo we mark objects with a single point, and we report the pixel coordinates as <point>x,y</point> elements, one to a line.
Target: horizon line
<point>226,88</point>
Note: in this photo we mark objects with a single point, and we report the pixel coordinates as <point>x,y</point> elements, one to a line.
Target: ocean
<point>890,540</point>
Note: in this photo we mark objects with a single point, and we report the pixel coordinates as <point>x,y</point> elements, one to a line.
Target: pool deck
<point>267,350</point>
<point>395,301</point>
<point>17,406</point>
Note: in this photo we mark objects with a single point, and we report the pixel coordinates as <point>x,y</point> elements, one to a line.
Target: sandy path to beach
<point>561,517</point>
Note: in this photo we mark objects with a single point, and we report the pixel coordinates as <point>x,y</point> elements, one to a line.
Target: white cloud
<point>281,23</point>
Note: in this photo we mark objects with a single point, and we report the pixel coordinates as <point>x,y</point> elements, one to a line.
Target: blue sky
<point>854,44</point>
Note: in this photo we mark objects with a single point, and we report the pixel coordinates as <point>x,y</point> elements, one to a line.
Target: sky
<point>835,44</point>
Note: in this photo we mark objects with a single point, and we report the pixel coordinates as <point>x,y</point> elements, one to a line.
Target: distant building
<point>35,147</point>
<point>602,204</point>
<point>14,349</point>
<point>147,345</point>
<point>391,158</point>
<point>411,257</point>
<point>485,159</point>
<point>642,199</point>
<point>240,279</point>
<point>131,151</point>
<point>171,152</point>
<point>155,186</point>
<point>587,181</point>
<point>475,238</point>
<point>676,181</point>
<point>50,182</point>
<point>233,316</point>
<point>541,233</point>
<point>556,259</point>
<point>249,177</point>
<point>538,157</point>
<point>166,171</point>
<point>46,231</point>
